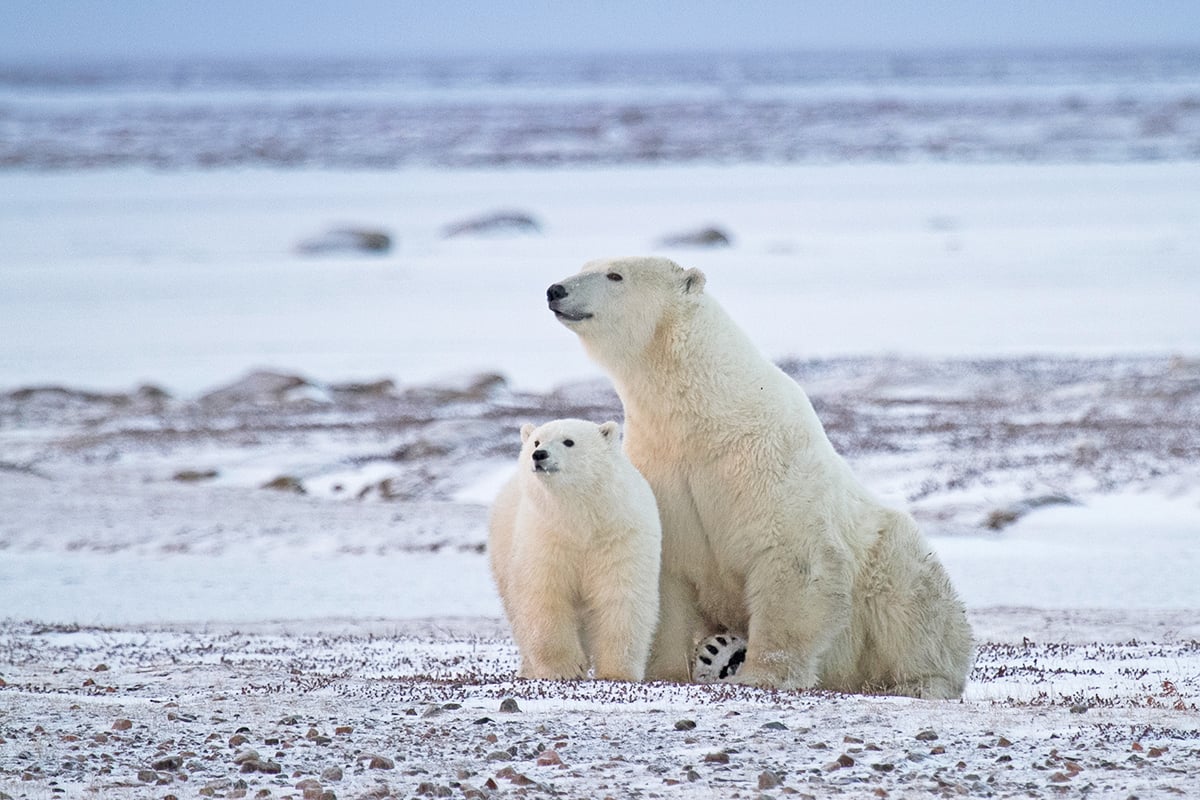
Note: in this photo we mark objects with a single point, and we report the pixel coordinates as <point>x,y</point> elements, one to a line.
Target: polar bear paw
<point>718,657</point>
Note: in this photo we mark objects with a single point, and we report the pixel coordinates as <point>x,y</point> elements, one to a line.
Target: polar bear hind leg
<point>790,631</point>
<point>921,643</point>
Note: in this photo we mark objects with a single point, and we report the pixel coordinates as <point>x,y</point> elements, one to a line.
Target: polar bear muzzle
<point>556,298</point>
<point>542,462</point>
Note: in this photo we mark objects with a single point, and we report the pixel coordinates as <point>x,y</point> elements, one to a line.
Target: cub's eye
<point>568,442</point>
<point>536,443</point>
<point>615,276</point>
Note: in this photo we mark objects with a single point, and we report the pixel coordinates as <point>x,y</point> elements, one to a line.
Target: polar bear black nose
<point>540,455</point>
<point>556,292</point>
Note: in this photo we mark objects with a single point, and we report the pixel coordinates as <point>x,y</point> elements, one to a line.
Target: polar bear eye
<point>536,443</point>
<point>568,442</point>
<point>615,276</point>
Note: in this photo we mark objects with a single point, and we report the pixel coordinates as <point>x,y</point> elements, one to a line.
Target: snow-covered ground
<point>1010,352</point>
<point>186,279</point>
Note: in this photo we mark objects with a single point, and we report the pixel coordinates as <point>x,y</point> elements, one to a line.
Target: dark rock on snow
<point>347,240</point>
<point>500,222</point>
<point>709,236</point>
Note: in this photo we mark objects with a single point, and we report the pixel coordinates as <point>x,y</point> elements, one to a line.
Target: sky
<point>89,29</point>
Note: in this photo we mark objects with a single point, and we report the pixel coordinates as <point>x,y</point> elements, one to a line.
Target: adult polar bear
<point>765,529</point>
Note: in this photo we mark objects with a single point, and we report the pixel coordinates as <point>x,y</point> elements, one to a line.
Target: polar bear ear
<point>611,432</point>
<point>693,281</point>
<point>526,429</point>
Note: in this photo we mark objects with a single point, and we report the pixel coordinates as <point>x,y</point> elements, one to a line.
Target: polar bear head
<point>618,305</point>
<point>570,451</point>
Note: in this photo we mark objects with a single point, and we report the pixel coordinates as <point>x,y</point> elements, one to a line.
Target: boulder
<point>263,387</point>
<point>340,241</point>
<point>503,223</point>
<point>709,236</point>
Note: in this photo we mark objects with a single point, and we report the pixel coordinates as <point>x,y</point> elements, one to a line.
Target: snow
<point>975,336</point>
<point>1116,552</point>
<point>934,259</point>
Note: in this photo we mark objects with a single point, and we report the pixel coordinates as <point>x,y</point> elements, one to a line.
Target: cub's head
<point>617,305</point>
<point>569,451</point>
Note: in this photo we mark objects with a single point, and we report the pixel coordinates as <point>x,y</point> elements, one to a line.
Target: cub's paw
<point>718,657</point>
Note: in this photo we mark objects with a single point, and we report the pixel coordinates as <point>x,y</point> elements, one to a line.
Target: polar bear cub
<point>766,530</point>
<point>575,544</point>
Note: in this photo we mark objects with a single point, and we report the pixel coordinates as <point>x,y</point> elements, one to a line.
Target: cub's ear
<point>526,429</point>
<point>611,432</point>
<point>693,281</point>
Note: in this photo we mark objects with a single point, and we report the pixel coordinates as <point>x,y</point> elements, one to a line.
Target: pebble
<point>768,780</point>
<point>927,736</point>
<point>842,762</point>
<point>122,725</point>
<point>775,726</point>
<point>267,767</point>
<point>243,756</point>
<point>720,757</point>
<point>381,762</point>
<point>168,764</point>
<point>331,774</point>
<point>509,706</point>
<point>685,725</point>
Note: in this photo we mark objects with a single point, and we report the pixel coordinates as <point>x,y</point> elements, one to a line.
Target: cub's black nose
<point>540,455</point>
<point>556,292</point>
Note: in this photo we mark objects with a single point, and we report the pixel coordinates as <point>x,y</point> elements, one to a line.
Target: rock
<point>709,236</point>
<point>768,780</point>
<point>377,762</point>
<point>509,706</point>
<point>774,726</point>
<point>720,757</point>
<point>194,475</point>
<point>467,387</point>
<point>503,223</point>
<point>122,725</point>
<point>1001,518</point>
<point>383,387</point>
<point>340,241</point>
<point>285,483</point>
<point>842,762</point>
<point>256,764</point>
<point>168,764</point>
<point>685,725</point>
<point>243,756</point>
<point>927,736</point>
<point>147,776</point>
<point>331,774</point>
<point>265,388</point>
<point>549,758</point>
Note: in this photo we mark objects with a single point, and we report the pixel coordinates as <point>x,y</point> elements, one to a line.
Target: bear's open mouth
<point>543,467</point>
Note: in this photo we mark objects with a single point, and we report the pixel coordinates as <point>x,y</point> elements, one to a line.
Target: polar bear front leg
<point>798,608</point>
<point>678,623</point>
<point>547,632</point>
<point>621,633</point>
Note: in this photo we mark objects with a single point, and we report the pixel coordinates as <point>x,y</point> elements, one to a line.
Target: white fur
<point>766,531</point>
<point>575,550</point>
